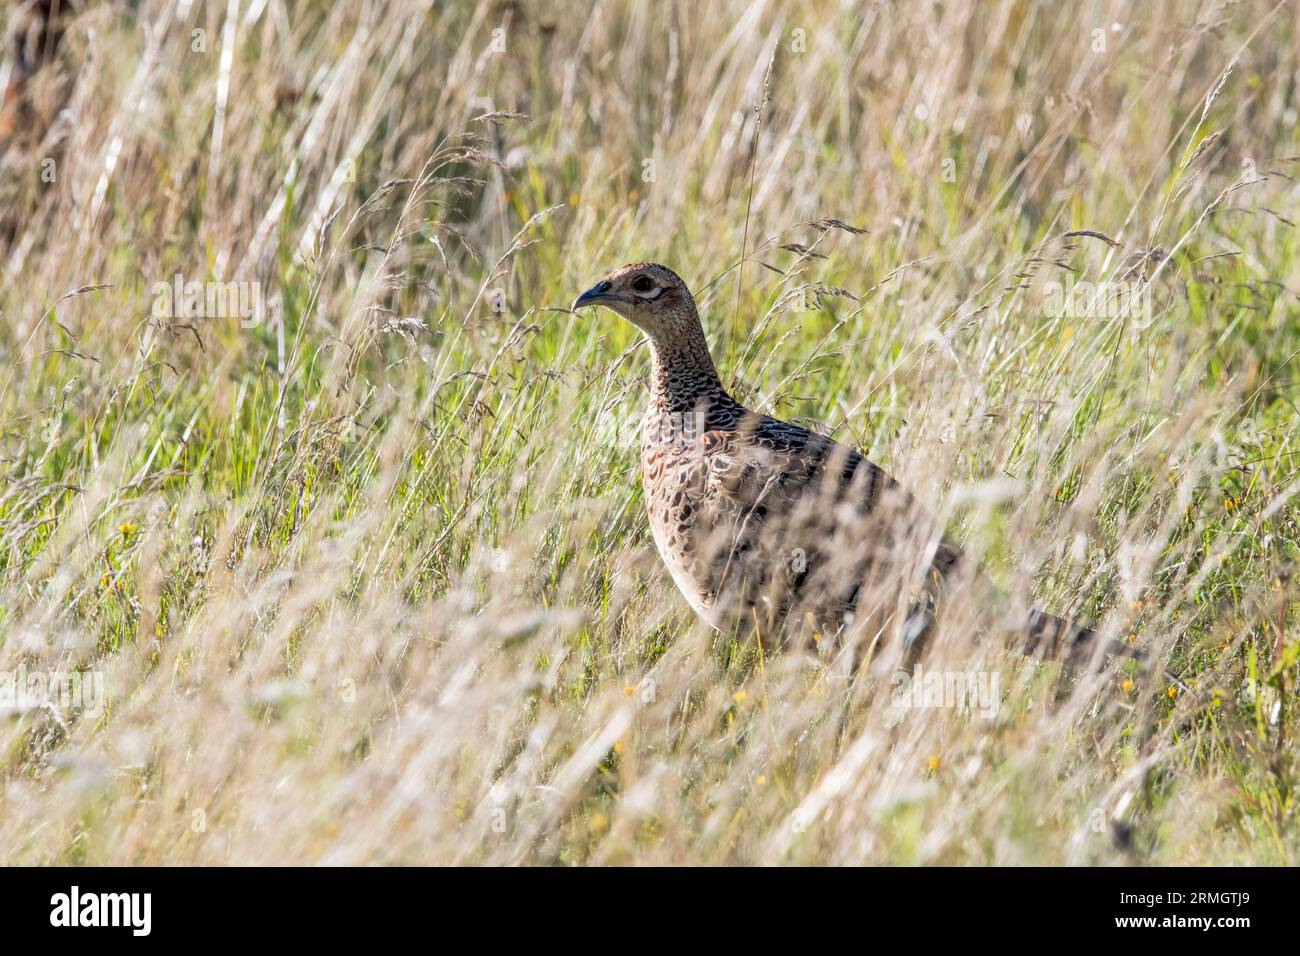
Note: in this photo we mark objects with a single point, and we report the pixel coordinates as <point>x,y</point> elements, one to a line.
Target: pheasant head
<point>655,299</point>
<point>650,296</point>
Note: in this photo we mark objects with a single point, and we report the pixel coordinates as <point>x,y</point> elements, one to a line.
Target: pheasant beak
<point>593,296</point>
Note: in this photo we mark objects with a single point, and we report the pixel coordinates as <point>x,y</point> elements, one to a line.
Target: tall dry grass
<point>368,577</point>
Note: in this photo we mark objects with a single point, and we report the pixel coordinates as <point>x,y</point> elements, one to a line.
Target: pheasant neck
<point>682,374</point>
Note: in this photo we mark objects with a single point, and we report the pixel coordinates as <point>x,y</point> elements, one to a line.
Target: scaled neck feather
<point>682,373</point>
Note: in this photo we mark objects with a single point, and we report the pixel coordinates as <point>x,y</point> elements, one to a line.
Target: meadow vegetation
<point>362,558</point>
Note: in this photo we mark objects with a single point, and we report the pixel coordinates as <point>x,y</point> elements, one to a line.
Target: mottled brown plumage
<point>760,521</point>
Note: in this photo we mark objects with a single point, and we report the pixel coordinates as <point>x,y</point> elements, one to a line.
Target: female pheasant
<point>763,523</point>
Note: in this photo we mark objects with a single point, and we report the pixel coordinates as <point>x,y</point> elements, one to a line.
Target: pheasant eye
<point>642,284</point>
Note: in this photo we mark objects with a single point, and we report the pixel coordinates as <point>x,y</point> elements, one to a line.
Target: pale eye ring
<point>642,284</point>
